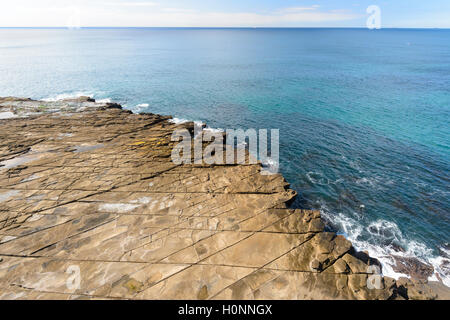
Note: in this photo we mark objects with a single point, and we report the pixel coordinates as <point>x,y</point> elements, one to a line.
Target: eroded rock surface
<point>92,207</point>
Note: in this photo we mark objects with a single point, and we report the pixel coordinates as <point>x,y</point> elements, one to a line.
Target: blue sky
<point>223,13</point>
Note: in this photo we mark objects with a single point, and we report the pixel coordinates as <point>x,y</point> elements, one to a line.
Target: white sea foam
<point>138,108</point>
<point>197,124</point>
<point>178,121</point>
<point>317,178</point>
<point>71,95</point>
<point>214,130</point>
<point>370,181</point>
<point>382,231</point>
<point>270,166</point>
<point>270,162</point>
<point>77,94</point>
<point>441,266</point>
<point>106,100</point>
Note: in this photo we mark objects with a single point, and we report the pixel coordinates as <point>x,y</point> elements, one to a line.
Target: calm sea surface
<point>364,116</point>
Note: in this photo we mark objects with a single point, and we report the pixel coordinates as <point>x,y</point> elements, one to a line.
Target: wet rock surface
<point>91,206</point>
<point>413,267</point>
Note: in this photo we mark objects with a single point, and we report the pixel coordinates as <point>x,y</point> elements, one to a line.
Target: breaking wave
<point>383,239</point>
<point>71,95</point>
<point>77,94</point>
<point>140,107</point>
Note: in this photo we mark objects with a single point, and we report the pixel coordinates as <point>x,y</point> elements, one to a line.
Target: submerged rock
<point>412,266</point>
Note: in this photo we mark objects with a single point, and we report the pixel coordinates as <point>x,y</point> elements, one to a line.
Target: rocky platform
<point>92,207</point>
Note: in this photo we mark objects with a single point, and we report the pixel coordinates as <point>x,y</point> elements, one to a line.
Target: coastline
<point>258,247</point>
<point>396,262</point>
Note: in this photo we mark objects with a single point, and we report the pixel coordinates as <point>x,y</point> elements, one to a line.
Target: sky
<point>223,13</point>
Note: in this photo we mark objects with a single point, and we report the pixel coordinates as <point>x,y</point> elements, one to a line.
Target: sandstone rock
<point>356,265</point>
<point>88,189</point>
<point>316,265</point>
<point>340,266</point>
<point>415,289</point>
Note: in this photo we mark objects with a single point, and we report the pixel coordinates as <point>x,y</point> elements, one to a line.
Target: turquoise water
<point>363,115</point>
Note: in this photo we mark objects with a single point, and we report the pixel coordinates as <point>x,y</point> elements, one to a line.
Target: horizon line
<point>144,27</point>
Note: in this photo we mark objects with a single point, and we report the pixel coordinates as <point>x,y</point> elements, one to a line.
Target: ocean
<point>364,115</point>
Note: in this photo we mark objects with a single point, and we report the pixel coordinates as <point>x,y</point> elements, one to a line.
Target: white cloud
<point>298,9</point>
<point>130,4</point>
<point>178,10</point>
<point>153,14</point>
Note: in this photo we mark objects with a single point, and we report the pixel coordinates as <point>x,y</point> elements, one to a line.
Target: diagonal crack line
<point>94,194</point>
<point>262,267</point>
<point>198,263</point>
<point>217,252</point>
<point>40,230</point>
<point>74,235</point>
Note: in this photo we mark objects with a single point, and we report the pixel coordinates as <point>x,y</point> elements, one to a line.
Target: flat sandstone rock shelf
<point>92,207</point>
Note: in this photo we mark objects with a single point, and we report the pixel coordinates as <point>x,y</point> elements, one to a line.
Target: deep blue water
<point>363,115</point>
